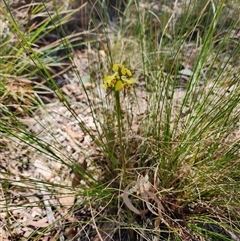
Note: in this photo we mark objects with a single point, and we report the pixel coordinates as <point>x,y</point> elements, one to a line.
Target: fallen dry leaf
<point>43,169</point>
<point>41,223</point>
<point>66,198</point>
<point>74,134</point>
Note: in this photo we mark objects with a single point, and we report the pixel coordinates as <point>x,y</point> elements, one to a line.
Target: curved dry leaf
<point>145,197</point>
<point>128,203</point>
<point>160,207</point>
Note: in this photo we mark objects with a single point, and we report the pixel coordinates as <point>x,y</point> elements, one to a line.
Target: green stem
<point>120,128</point>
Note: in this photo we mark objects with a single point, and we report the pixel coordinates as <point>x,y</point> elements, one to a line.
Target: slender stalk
<point>119,123</point>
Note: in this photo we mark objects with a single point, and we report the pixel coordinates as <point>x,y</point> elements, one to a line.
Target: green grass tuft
<point>160,162</point>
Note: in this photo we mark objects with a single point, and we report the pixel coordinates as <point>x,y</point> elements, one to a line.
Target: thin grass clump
<point>143,144</point>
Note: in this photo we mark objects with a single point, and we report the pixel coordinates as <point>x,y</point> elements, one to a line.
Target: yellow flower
<point>127,83</point>
<point>122,70</point>
<point>119,85</point>
<point>119,80</point>
<point>130,81</point>
<point>116,67</point>
<point>124,83</point>
<point>106,82</point>
<point>110,80</point>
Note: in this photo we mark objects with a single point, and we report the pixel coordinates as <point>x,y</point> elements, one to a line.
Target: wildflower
<point>119,80</point>
<point>110,80</point>
<point>121,70</point>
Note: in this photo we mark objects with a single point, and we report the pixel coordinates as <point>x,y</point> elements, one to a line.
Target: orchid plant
<point>120,79</point>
